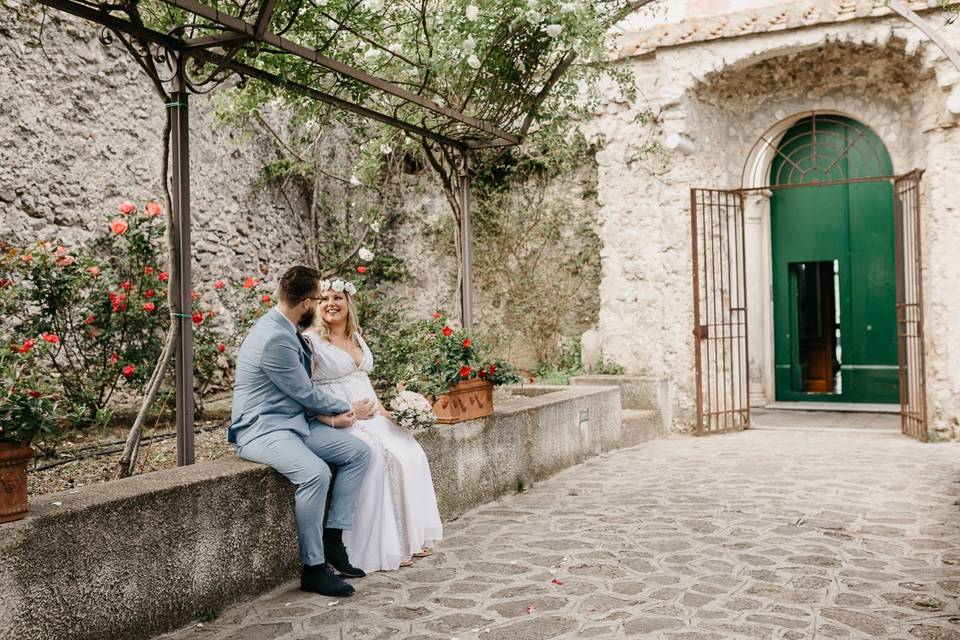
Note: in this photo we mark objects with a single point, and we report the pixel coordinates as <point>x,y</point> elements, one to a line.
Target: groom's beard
<point>306,320</point>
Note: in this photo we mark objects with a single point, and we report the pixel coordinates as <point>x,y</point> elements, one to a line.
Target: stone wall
<point>133,558</point>
<point>724,94</point>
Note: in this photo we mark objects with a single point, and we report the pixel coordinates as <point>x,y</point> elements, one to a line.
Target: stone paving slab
<point>761,534</point>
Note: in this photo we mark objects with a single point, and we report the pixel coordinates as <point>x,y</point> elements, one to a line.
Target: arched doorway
<point>834,290</point>
<point>834,277</point>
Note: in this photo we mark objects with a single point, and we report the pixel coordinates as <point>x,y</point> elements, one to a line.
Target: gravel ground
<point>211,443</point>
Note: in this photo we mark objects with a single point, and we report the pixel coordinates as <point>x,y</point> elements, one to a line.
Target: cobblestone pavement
<point>761,534</point>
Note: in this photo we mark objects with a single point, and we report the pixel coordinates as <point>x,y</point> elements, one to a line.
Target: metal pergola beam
<point>238,25</point>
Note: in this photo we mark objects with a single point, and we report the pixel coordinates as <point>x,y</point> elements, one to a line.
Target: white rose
<point>533,16</point>
<point>355,181</point>
<point>473,61</point>
<point>324,285</point>
<point>469,44</point>
<point>352,290</point>
<point>568,7</point>
<point>396,48</point>
<point>372,53</point>
<point>385,149</point>
<point>533,4</point>
<point>365,254</point>
<point>375,226</point>
<point>338,286</point>
<point>373,5</point>
<point>473,12</point>
<point>554,30</point>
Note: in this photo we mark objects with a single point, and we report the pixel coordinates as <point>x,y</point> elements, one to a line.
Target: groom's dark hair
<point>298,283</point>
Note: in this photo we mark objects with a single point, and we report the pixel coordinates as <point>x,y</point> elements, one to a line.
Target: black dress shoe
<point>320,579</point>
<point>337,558</point>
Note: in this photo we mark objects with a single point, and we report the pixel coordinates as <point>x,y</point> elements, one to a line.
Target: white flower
<point>568,7</point>
<point>473,61</point>
<point>554,30</point>
<point>338,286</point>
<point>355,181</point>
<point>533,16</point>
<point>373,5</point>
<point>365,254</point>
<point>396,48</point>
<point>473,12</point>
<point>469,44</point>
<point>375,226</point>
<point>372,53</point>
<point>533,4</point>
<point>519,66</point>
<point>352,290</point>
<point>385,149</point>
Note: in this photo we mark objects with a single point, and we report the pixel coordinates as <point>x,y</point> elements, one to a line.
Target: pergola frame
<point>219,50</point>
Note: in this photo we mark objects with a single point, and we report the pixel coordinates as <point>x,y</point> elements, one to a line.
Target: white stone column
<point>759,298</point>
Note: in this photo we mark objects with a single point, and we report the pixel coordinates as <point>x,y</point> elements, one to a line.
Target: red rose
<point>125,285</point>
<point>249,283</point>
<point>197,318</point>
<point>149,307</point>
<point>129,370</point>
<point>52,338</point>
<point>27,345</point>
<point>218,284</point>
<point>149,293</point>
<point>90,320</point>
<point>222,347</point>
<point>94,271</point>
<point>481,373</point>
<point>119,226</point>
<point>361,269</point>
<point>33,394</point>
<point>163,276</point>
<point>4,283</point>
<point>127,207</point>
<point>447,331</point>
<point>468,343</point>
<point>465,372</point>
<point>153,209</point>
<point>266,298</point>
<point>492,369</point>
<point>148,270</point>
<point>114,358</point>
<point>436,315</point>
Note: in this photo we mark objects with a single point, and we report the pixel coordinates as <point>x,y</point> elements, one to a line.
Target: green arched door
<point>834,278</point>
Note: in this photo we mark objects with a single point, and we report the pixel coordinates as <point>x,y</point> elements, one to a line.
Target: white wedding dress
<point>397,513</point>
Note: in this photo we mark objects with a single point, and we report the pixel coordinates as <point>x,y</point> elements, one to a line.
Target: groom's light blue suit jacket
<point>273,389</point>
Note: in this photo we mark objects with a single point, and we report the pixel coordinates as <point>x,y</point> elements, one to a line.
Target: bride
<point>397,517</point>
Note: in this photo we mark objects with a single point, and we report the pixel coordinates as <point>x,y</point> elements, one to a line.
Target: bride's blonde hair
<point>353,318</point>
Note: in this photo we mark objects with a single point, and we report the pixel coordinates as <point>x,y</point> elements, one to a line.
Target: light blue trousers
<point>304,463</point>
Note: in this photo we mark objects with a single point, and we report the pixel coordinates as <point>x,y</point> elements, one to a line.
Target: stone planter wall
<point>130,559</point>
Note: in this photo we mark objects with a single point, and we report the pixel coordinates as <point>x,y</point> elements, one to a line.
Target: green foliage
<point>28,411</point>
<point>106,303</point>
<point>569,365</point>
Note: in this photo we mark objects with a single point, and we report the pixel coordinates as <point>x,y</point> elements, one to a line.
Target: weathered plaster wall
<point>723,95</point>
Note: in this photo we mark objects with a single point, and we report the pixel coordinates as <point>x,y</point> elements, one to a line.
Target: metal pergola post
<point>466,243</point>
<point>181,276</point>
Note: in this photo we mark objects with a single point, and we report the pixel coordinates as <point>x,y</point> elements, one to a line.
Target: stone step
<point>636,392</point>
<point>641,425</point>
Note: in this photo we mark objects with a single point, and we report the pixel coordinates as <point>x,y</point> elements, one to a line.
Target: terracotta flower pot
<point>13,480</point>
<point>465,401</point>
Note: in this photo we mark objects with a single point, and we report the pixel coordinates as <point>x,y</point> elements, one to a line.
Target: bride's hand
<point>385,413</point>
<point>365,409</point>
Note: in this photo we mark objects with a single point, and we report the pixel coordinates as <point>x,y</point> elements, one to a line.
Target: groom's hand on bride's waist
<point>365,409</point>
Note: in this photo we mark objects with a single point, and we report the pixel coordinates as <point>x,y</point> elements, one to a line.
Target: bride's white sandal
<point>406,563</point>
<point>423,553</point>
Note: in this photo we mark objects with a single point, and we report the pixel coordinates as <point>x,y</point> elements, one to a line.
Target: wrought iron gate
<point>913,392</point>
<point>720,310</point>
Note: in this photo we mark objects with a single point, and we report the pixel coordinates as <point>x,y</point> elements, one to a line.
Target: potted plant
<point>459,375</point>
<point>27,412</point>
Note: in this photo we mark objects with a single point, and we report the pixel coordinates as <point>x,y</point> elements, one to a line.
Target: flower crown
<point>339,286</point>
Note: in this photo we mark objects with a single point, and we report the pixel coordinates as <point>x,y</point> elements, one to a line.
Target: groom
<point>272,397</point>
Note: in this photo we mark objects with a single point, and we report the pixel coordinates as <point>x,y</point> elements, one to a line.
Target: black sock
<point>332,536</point>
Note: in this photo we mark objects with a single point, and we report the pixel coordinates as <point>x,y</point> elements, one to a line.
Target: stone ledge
<point>130,559</point>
